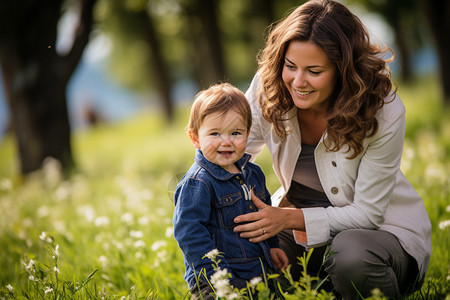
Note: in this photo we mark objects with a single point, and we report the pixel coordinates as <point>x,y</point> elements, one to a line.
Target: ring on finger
<point>264,231</point>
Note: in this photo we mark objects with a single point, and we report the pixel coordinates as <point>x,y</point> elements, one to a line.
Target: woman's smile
<point>303,93</point>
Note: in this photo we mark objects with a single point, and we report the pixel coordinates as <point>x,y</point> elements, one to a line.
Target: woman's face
<point>309,75</point>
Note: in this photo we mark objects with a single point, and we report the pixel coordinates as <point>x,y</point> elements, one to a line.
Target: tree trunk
<point>207,52</point>
<point>438,16</point>
<point>405,53</point>
<point>164,82</point>
<point>35,78</point>
<point>39,113</point>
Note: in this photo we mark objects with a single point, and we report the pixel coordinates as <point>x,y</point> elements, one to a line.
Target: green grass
<point>114,214</point>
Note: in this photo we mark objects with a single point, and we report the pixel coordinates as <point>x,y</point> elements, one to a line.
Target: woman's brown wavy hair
<point>363,77</point>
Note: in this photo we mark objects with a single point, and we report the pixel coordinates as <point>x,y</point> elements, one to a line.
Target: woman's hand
<point>268,221</point>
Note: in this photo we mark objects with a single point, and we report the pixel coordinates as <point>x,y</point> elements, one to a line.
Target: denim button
<point>334,190</point>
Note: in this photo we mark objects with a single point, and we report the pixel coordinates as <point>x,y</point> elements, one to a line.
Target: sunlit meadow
<point>106,232</point>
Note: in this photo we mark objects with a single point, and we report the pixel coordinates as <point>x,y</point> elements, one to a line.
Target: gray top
<point>305,170</point>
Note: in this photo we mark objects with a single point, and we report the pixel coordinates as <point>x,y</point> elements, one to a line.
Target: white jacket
<point>369,191</point>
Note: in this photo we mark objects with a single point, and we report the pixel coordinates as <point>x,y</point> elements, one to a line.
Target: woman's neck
<point>313,124</point>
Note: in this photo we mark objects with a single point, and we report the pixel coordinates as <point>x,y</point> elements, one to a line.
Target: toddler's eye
<point>214,134</point>
<point>236,133</point>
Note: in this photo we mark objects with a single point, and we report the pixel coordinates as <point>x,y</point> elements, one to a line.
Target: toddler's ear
<point>194,139</point>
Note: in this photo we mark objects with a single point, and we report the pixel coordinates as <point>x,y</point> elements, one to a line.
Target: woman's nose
<point>300,79</point>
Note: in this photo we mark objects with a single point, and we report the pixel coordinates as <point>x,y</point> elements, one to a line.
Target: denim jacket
<point>207,199</point>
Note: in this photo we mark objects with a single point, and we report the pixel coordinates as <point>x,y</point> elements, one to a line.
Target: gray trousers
<point>360,261</point>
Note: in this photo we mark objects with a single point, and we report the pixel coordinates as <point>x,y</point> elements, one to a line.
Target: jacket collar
<point>217,171</point>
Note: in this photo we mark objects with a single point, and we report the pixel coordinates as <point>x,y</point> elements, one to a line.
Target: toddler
<point>217,188</point>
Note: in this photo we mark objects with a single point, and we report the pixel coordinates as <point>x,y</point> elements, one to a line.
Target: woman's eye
<point>315,72</point>
<point>290,67</point>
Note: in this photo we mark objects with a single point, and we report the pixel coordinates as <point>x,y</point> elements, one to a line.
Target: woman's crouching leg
<point>363,260</point>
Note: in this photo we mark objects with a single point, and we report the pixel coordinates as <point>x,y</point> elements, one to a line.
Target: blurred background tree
<point>437,15</point>
<point>412,21</point>
<point>401,16</point>
<point>35,76</point>
<point>156,44</point>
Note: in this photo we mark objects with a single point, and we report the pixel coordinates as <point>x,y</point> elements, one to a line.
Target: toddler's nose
<point>226,139</point>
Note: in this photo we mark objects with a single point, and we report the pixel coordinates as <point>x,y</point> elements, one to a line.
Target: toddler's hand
<point>279,258</point>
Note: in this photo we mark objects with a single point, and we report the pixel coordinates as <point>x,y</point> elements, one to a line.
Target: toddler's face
<point>222,139</point>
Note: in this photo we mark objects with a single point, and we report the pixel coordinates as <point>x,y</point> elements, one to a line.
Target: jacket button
<point>334,190</point>
<point>334,163</point>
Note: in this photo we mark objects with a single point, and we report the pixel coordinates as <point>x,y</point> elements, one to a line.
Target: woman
<point>322,102</point>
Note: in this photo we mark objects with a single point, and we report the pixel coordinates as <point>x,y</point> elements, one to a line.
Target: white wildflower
<point>44,237</point>
<point>64,191</point>
<point>212,254</point>
<point>136,234</point>
<point>43,211</point>
<point>57,250</point>
<point>222,283</point>
<point>220,293</point>
<point>218,275</point>
<point>60,226</point>
<point>169,232</point>
<point>435,173</point>
<point>156,264</point>
<point>254,281</point>
<point>102,221</point>
<point>56,270</point>
<point>52,171</point>
<point>232,295</point>
<point>48,290</point>
<point>5,184</point>
<point>158,244</point>
<point>10,288</point>
<point>144,220</point>
<point>103,260</point>
<point>27,223</point>
<point>31,278</point>
<point>444,225</point>
<point>139,244</point>
<point>447,209</point>
<point>30,266</point>
<point>87,211</point>
<point>127,218</point>
<point>119,245</point>
<point>162,255</point>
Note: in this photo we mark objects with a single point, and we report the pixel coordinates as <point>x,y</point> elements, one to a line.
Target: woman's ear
<point>194,139</point>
